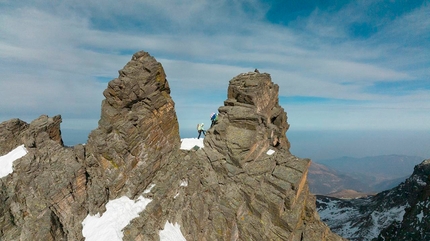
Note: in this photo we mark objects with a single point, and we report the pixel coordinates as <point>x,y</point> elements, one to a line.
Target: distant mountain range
<point>364,175</point>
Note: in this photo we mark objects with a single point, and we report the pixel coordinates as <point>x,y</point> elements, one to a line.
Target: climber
<point>214,119</point>
<point>200,130</point>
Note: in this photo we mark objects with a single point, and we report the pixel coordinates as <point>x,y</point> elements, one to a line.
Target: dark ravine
<point>235,190</point>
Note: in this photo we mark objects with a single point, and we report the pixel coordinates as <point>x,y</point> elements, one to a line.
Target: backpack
<point>198,126</point>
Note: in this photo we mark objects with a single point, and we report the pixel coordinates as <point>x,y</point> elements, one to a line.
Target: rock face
<point>137,133</point>
<point>16,132</point>
<point>232,189</point>
<point>43,198</point>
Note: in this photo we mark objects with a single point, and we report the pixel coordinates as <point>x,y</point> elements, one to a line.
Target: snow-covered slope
<point>358,219</point>
<point>402,213</point>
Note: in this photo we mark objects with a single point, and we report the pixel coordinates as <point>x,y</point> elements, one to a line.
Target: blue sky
<point>340,65</point>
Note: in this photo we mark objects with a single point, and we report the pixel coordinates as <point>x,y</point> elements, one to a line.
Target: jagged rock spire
<point>232,189</point>
<point>251,120</point>
<point>138,129</point>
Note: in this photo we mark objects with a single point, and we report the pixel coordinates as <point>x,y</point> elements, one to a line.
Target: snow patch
<point>189,143</point>
<point>420,216</point>
<point>420,181</point>
<point>149,188</point>
<point>184,184</point>
<point>6,161</point>
<point>171,233</point>
<point>270,152</point>
<point>119,213</point>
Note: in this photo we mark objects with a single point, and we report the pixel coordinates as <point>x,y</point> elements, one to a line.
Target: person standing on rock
<point>214,119</point>
<point>200,130</point>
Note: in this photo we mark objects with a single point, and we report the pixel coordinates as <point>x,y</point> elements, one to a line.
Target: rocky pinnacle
<point>243,185</point>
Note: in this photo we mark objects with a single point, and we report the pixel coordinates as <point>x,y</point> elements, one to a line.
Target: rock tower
<point>243,185</point>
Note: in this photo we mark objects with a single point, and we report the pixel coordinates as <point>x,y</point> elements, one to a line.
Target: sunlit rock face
<point>243,185</point>
<point>138,132</point>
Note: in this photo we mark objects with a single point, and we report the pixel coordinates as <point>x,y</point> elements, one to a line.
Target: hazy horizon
<point>327,144</point>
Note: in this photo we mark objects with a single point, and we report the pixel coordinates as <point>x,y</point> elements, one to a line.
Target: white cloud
<point>52,55</point>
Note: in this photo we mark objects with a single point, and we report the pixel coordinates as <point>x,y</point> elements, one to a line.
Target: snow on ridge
<point>418,180</point>
<point>189,143</point>
<point>184,183</point>
<point>381,220</point>
<point>171,232</point>
<point>119,213</point>
<point>6,161</point>
<point>420,216</point>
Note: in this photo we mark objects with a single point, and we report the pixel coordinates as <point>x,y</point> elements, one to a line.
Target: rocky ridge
<point>401,213</point>
<point>230,190</point>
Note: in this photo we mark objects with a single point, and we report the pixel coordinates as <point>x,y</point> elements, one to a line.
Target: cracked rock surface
<point>231,189</point>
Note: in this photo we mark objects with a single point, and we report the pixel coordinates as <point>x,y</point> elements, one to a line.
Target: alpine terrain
<point>132,181</point>
<point>401,213</point>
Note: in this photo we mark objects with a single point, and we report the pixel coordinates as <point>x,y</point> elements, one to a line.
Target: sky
<point>342,66</point>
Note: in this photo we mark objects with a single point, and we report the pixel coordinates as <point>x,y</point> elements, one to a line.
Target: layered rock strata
<point>232,189</point>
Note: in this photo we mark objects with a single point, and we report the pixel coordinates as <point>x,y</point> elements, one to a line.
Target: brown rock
<point>137,131</point>
<point>229,190</point>
<point>10,135</point>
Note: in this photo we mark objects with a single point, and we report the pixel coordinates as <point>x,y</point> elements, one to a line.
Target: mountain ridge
<point>232,189</point>
<point>401,213</point>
